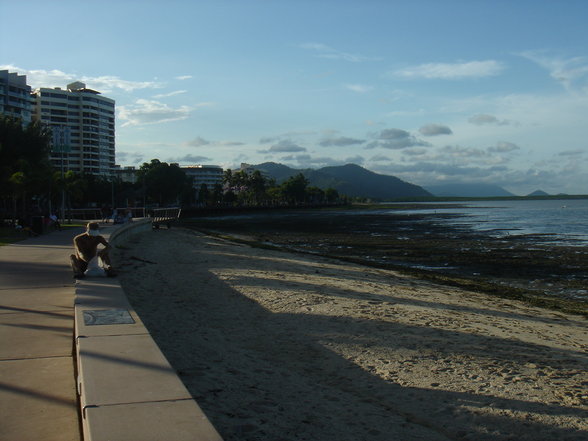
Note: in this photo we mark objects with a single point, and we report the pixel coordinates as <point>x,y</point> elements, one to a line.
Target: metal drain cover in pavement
<point>108,317</point>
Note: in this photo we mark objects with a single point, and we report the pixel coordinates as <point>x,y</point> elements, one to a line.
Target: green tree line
<point>29,185</point>
<point>254,189</point>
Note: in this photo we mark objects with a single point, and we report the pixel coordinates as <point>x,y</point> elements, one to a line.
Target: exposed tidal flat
<point>281,345</point>
<point>430,240</point>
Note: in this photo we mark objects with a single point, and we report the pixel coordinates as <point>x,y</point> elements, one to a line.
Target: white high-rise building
<point>15,96</point>
<point>82,121</point>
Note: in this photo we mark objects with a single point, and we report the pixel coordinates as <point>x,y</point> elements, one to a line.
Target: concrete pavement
<point>76,362</point>
<point>38,399</point>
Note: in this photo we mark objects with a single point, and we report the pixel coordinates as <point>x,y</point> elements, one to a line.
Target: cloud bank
<point>452,71</point>
<point>150,112</point>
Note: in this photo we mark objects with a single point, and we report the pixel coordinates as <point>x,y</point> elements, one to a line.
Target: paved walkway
<point>37,380</point>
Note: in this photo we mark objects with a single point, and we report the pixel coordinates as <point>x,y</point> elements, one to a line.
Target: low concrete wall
<point>125,231</point>
<point>128,390</point>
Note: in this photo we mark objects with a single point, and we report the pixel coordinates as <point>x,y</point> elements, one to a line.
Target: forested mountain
<point>351,180</point>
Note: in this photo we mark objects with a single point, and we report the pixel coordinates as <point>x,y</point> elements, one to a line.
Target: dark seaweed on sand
<point>523,267</point>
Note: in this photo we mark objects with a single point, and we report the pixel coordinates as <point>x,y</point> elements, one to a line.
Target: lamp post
<point>61,143</point>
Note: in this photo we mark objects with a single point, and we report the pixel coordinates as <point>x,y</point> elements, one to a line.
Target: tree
<point>75,187</point>
<point>257,187</point>
<point>203,194</point>
<point>228,178</point>
<point>315,195</point>
<point>332,195</point>
<point>25,170</point>
<point>294,189</point>
<point>216,195</point>
<point>163,183</point>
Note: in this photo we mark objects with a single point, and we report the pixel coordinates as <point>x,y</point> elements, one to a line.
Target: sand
<point>284,346</point>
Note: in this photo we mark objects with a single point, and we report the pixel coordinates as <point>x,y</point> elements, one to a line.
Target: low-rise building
<point>126,174</point>
<point>210,175</point>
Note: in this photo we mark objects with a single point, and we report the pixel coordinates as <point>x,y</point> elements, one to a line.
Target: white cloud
<point>452,71</point>
<point>503,147</point>
<point>286,146</point>
<point>57,78</point>
<point>575,153</point>
<point>229,143</point>
<point>129,157</point>
<point>200,142</point>
<point>379,158</point>
<point>108,83</point>
<point>359,88</point>
<point>308,161</point>
<point>197,142</point>
<point>416,152</point>
<point>483,118</point>
<point>324,51</point>
<point>340,142</point>
<point>184,77</point>
<point>192,159</point>
<point>165,95</point>
<point>469,153</point>
<point>357,159</point>
<point>151,112</point>
<point>565,71</point>
<point>268,140</point>
<point>395,139</point>
<point>435,130</point>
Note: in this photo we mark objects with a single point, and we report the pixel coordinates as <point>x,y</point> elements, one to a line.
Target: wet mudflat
<point>528,267</point>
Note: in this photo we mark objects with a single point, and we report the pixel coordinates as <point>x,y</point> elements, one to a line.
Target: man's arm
<point>77,249</point>
<point>107,247</point>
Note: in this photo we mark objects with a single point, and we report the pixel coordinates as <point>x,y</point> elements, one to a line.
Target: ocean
<point>552,221</point>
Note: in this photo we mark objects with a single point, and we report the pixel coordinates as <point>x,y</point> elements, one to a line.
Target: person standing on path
<point>86,248</point>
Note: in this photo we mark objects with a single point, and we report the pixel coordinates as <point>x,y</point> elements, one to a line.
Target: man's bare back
<point>86,248</point>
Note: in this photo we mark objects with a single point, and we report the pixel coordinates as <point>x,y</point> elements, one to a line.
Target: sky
<point>433,92</point>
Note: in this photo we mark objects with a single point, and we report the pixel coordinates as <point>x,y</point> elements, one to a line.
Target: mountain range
<point>350,180</point>
<point>355,181</point>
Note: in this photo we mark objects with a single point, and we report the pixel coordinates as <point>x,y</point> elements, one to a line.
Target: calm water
<point>561,221</point>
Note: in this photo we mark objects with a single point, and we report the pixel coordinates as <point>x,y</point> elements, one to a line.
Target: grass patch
<point>11,235</point>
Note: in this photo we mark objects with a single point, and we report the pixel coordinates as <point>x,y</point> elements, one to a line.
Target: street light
<point>62,144</point>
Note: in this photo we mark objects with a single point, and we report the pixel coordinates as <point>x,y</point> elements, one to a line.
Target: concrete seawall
<point>126,231</point>
<point>127,388</point>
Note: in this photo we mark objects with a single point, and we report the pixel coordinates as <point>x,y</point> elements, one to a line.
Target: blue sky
<point>429,91</point>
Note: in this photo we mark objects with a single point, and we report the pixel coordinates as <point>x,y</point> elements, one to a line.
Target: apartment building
<point>126,173</point>
<point>210,175</point>
<point>15,96</point>
<point>82,121</point>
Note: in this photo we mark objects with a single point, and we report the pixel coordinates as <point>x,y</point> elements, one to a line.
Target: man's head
<point>93,229</point>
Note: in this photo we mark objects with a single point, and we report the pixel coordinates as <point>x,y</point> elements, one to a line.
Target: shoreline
<point>518,267</point>
<point>283,346</point>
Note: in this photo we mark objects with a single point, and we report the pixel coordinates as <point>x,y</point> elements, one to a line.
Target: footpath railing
<point>167,216</point>
<point>98,213</point>
<point>127,388</point>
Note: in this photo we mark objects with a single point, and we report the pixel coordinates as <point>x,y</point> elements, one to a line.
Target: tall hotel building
<point>82,121</point>
<point>15,96</point>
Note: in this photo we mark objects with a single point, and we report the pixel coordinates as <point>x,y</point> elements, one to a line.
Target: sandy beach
<point>284,346</point>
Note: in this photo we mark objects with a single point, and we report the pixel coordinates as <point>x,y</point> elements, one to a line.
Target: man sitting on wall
<point>86,248</point>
